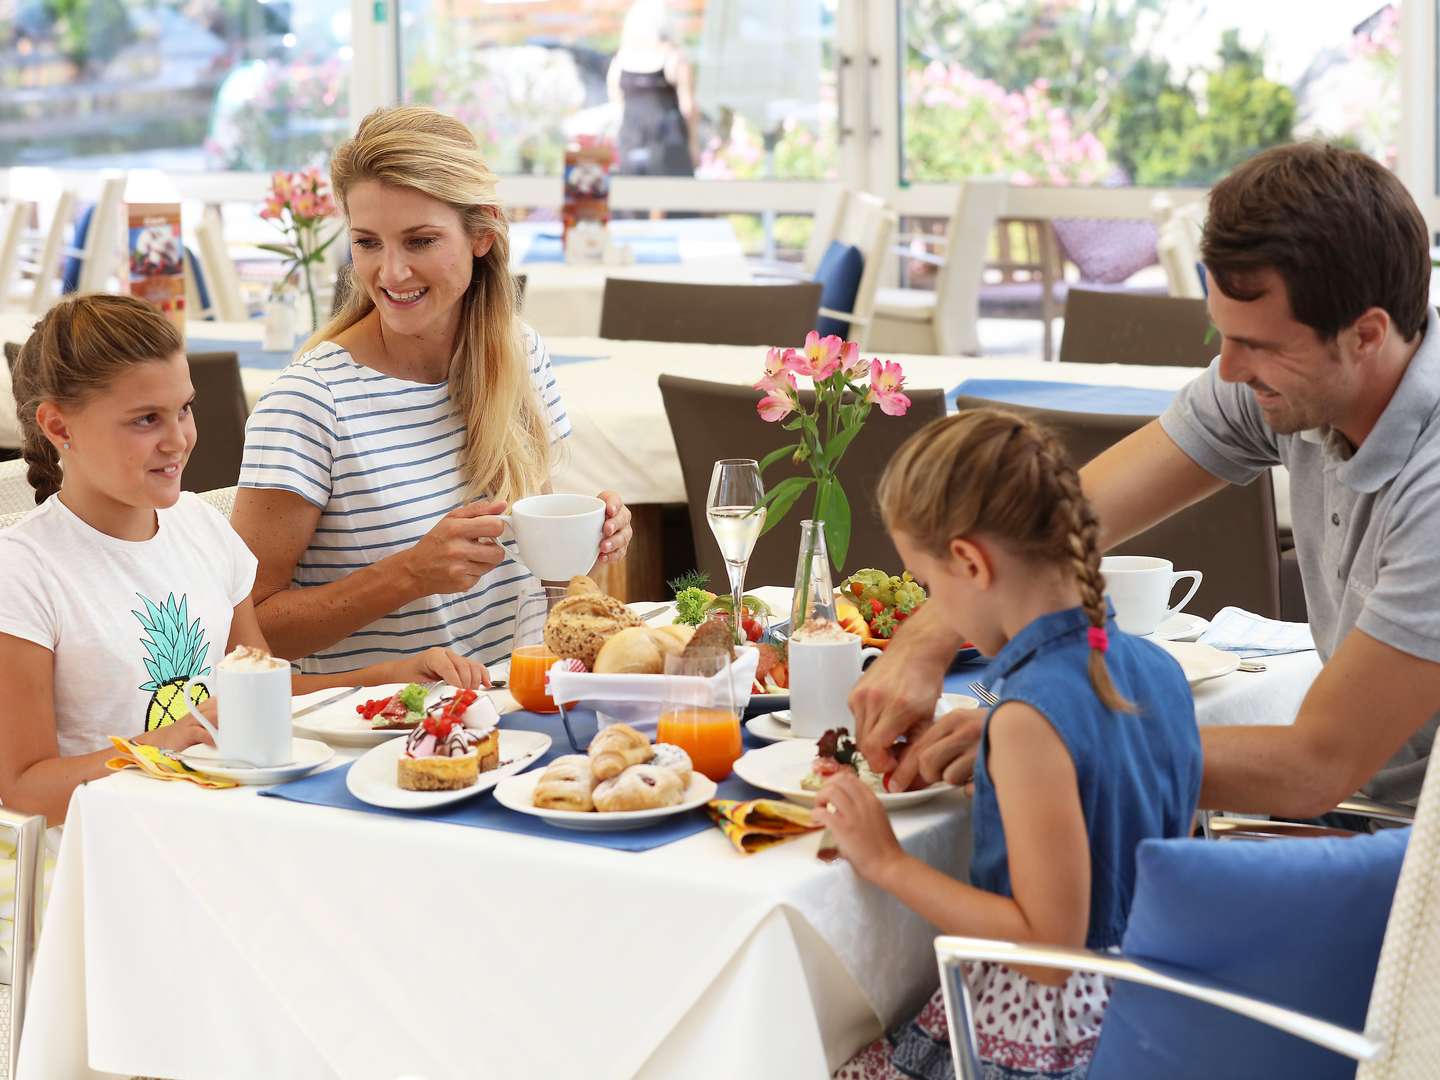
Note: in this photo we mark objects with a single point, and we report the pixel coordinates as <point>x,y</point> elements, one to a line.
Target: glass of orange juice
<point>700,715</point>
<point>530,659</point>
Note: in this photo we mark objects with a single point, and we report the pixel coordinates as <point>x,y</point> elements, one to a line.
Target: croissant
<point>566,784</point>
<point>616,748</point>
<point>640,787</point>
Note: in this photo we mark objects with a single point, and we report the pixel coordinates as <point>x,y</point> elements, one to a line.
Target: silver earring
<point>65,446</point>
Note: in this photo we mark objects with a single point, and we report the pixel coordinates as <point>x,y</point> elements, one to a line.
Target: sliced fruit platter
<point>873,604</point>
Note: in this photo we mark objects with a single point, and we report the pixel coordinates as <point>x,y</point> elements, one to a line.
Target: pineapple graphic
<point>175,651</point>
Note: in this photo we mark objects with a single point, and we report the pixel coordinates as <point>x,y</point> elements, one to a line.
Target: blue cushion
<point>70,274</point>
<point>202,291</point>
<point>1296,922</point>
<point>839,276</point>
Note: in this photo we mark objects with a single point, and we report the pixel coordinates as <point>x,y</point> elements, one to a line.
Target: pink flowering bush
<point>1375,119</point>
<point>826,429</point>
<point>960,124</point>
<point>299,205</point>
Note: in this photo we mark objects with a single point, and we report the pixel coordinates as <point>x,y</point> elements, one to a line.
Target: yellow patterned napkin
<point>160,764</point>
<point>757,823</point>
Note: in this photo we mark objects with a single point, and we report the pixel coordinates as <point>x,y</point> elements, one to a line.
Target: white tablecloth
<point>215,934</point>
<point>563,299</point>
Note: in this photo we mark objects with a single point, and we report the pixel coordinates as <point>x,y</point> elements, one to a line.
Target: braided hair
<point>75,350</point>
<point>990,471</point>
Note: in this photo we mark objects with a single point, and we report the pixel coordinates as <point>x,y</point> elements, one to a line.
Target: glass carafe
<point>814,593</point>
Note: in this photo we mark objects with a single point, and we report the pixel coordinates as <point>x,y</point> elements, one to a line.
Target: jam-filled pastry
<point>669,756</point>
<point>566,784</point>
<point>616,748</point>
<point>640,787</point>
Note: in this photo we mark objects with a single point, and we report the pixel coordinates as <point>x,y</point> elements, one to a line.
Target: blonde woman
<point>376,464</point>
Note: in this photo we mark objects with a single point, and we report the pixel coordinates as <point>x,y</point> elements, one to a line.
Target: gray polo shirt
<point>1366,522</point>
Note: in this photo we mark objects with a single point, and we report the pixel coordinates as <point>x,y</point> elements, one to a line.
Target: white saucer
<point>774,726</point>
<point>1201,662</point>
<point>339,724</point>
<point>1180,627</point>
<point>305,756</point>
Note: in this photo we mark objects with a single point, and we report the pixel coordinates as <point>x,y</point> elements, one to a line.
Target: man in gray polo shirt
<point>1318,268</point>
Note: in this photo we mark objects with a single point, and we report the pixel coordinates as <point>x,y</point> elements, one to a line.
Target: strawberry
<point>876,607</point>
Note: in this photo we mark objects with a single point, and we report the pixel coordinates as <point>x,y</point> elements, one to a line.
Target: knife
<point>339,695</point>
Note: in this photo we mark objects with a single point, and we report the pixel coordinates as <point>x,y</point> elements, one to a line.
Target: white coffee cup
<point>254,714</point>
<point>558,536</point>
<point>1140,585</point>
<point>822,673</point>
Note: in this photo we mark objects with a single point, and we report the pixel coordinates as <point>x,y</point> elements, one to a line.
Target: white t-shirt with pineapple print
<point>128,621</point>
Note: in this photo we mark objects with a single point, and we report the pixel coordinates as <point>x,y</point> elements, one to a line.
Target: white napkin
<point>1242,632</point>
<point>638,700</point>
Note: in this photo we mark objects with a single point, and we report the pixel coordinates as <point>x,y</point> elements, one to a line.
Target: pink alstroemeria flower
<point>886,383</point>
<point>820,358</point>
<point>850,360</point>
<point>282,185</point>
<point>780,397</point>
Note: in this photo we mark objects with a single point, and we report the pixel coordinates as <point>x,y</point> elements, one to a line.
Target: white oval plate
<point>781,766</point>
<point>340,725</point>
<point>306,755</point>
<point>1181,627</point>
<point>517,792</point>
<point>372,778</point>
<point>1201,662</point>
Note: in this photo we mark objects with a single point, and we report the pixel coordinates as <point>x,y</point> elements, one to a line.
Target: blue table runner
<point>550,248</point>
<point>1067,397</point>
<point>251,353</point>
<point>483,812</point>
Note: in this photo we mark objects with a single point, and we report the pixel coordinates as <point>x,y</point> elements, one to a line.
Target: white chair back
<point>980,203</point>
<point>1178,243</point>
<point>1404,1014</point>
<point>824,225</point>
<point>222,499</point>
<point>16,494</point>
<point>24,835</point>
<point>14,220</point>
<point>103,255</point>
<point>222,280</point>
<point>45,276</point>
<point>867,222</point>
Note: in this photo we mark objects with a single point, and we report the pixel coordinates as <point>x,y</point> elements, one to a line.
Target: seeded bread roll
<point>578,626</point>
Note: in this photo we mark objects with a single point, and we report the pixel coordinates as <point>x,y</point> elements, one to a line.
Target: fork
<point>984,694</point>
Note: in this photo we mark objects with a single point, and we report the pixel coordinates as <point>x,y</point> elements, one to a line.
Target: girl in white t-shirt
<point>120,587</point>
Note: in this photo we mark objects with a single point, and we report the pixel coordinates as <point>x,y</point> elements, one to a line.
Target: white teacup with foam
<point>252,692</point>
<point>825,662</point>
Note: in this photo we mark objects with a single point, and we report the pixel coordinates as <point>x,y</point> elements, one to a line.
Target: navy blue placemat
<point>1068,397</point>
<point>250,353</point>
<point>483,812</point>
<point>549,248</point>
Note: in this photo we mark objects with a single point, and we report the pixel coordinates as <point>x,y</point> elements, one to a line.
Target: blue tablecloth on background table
<point>483,812</point>
<point>561,361</point>
<point>549,248</point>
<point>1067,397</point>
<point>251,354</point>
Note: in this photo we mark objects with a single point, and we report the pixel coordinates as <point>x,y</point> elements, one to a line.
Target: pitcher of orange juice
<point>530,658</point>
<point>699,714</point>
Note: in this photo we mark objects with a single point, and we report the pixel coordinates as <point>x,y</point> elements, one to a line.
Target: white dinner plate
<point>340,725</point>
<point>1201,662</point>
<point>773,726</point>
<point>305,755</point>
<point>372,778</point>
<point>781,766</point>
<point>1180,627</point>
<point>517,792</point>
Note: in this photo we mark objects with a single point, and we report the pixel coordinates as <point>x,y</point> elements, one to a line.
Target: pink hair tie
<point>1099,638</point>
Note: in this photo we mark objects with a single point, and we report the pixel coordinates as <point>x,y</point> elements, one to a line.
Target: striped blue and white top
<point>381,458</point>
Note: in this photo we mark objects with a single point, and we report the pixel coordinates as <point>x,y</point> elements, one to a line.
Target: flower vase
<point>280,324</point>
<point>814,593</point>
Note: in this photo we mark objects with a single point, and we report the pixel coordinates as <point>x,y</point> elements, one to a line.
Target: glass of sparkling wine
<point>736,518</point>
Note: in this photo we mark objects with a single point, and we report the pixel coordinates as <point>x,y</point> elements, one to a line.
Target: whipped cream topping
<point>822,632</point>
<point>457,743</point>
<point>246,658</point>
<point>481,717</point>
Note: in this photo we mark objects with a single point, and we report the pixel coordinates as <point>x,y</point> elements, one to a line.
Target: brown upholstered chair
<point>1230,537</point>
<point>219,420</point>
<point>12,353</point>
<point>711,421</point>
<point>713,314</point>
<point>1125,328</point>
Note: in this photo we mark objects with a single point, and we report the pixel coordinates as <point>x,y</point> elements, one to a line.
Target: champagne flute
<point>736,518</point>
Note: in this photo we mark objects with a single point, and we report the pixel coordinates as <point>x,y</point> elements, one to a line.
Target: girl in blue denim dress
<point>1091,749</point>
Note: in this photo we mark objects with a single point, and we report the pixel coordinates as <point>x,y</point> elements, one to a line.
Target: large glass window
<point>180,85</point>
<point>1146,92</point>
<point>716,89</point>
